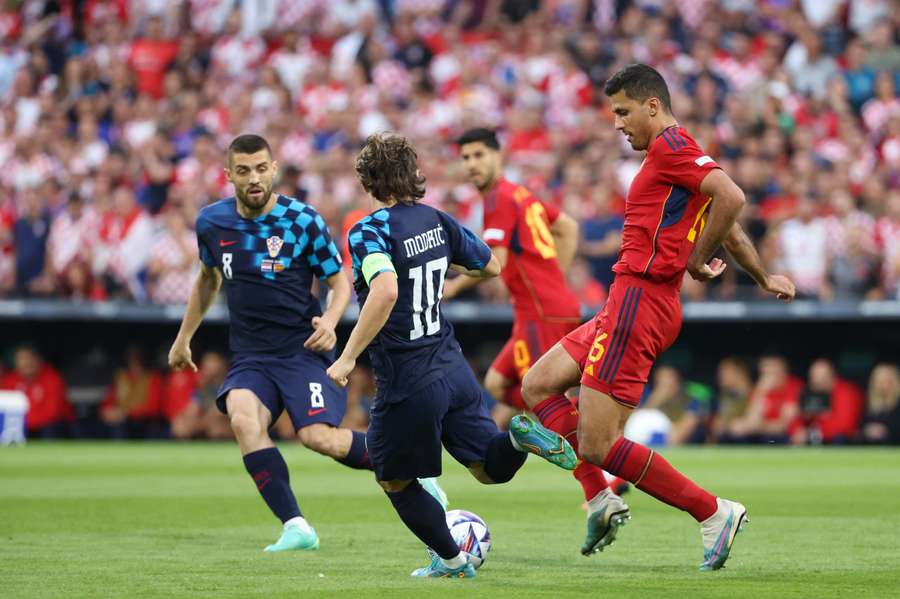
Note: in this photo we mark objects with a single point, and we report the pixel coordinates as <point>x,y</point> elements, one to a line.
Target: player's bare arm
<point>375,312</point>
<point>739,246</point>
<point>458,285</point>
<point>492,269</point>
<point>206,285</point>
<point>324,338</point>
<point>726,205</point>
<point>565,236</point>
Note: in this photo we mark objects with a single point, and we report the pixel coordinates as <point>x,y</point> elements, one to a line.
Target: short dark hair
<point>486,136</point>
<point>248,144</point>
<point>640,81</point>
<point>387,169</point>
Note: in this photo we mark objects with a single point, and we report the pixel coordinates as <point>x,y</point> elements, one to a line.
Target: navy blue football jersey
<point>419,243</point>
<point>267,265</point>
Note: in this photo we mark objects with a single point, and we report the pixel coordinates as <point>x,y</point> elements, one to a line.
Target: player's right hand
<point>339,372</point>
<point>180,356</point>
<point>781,286</point>
<point>706,272</point>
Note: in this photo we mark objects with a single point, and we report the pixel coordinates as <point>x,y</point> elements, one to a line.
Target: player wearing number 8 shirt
<point>680,208</point>
<point>427,394</point>
<point>268,248</point>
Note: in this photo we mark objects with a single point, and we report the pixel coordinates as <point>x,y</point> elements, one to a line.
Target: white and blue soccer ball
<point>471,534</point>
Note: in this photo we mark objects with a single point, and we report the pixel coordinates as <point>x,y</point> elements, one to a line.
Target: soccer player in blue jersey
<point>267,248</point>
<point>427,394</point>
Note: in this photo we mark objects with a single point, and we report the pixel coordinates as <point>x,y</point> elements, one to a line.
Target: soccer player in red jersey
<point>535,243</point>
<point>680,208</point>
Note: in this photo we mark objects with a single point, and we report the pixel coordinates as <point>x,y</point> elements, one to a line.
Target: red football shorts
<point>616,349</point>
<point>530,340</point>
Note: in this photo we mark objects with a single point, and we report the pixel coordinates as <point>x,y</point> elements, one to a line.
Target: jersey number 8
<point>426,310</point>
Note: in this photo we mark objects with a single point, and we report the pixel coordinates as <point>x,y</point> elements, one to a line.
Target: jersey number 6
<point>426,310</point>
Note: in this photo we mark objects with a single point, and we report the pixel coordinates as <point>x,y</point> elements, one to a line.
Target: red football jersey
<point>518,221</point>
<point>665,211</point>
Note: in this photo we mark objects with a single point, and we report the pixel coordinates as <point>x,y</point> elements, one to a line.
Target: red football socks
<point>652,474</point>
<point>561,416</point>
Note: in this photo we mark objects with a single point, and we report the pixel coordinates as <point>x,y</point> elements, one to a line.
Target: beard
<point>255,203</point>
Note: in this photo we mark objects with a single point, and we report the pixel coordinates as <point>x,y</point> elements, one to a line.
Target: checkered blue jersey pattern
<point>268,264</point>
<point>422,243</point>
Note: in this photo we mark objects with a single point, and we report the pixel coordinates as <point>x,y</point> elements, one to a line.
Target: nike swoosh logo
<point>225,244</point>
<point>314,412</point>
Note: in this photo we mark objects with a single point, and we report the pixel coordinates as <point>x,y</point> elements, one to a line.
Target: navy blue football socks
<point>425,517</point>
<point>502,460</point>
<point>358,456</point>
<point>270,473</point>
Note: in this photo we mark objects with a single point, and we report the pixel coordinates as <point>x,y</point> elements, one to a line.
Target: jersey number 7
<point>426,299</point>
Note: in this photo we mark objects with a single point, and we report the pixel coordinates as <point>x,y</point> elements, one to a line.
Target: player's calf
<point>325,439</point>
<point>346,446</point>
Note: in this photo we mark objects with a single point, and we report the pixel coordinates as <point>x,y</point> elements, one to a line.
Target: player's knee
<point>496,385</point>
<point>319,437</point>
<point>394,486</point>
<point>534,390</point>
<point>481,476</point>
<point>245,426</point>
<point>593,447</point>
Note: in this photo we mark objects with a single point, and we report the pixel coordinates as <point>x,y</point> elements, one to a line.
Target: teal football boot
<point>295,538</point>
<point>437,569</point>
<point>534,438</point>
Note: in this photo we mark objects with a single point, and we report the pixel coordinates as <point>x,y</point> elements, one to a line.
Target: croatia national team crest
<point>274,244</point>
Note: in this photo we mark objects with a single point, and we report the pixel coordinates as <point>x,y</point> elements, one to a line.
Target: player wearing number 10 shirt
<point>427,394</point>
<point>680,209</point>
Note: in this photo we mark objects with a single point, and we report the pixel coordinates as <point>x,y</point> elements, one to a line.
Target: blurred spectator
<point>735,385</point>
<point>804,245</point>
<point>121,253</point>
<point>882,421</point>
<point>7,247</point>
<point>173,260</point>
<point>859,77</point>
<point>133,405</point>
<point>49,412</point>
<point>774,405</point>
<point>69,249</point>
<point>809,67</point>
<point>830,408</point>
<point>31,231</point>
<point>686,404</point>
<point>150,55</point>
<point>197,415</point>
<point>884,53</point>
<point>884,106</point>
<point>588,290</point>
<point>601,236</point>
<point>887,236</point>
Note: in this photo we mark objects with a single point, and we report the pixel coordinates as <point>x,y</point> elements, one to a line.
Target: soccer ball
<point>471,534</point>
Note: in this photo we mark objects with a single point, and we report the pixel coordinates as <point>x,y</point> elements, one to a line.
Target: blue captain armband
<point>374,264</point>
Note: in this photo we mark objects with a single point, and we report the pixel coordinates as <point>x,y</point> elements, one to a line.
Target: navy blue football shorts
<point>296,383</point>
<point>404,438</point>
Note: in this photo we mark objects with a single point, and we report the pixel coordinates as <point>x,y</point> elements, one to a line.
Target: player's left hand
<point>781,286</point>
<point>705,272</point>
<point>340,371</point>
<point>323,338</point>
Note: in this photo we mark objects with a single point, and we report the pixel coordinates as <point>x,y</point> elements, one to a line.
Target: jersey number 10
<point>426,299</point>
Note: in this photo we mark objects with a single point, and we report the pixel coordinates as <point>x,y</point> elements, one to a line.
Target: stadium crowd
<point>114,115</point>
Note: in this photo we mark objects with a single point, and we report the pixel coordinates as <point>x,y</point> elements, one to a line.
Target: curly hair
<point>387,169</point>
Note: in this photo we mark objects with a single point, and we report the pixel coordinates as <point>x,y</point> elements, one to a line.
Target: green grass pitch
<point>171,520</point>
